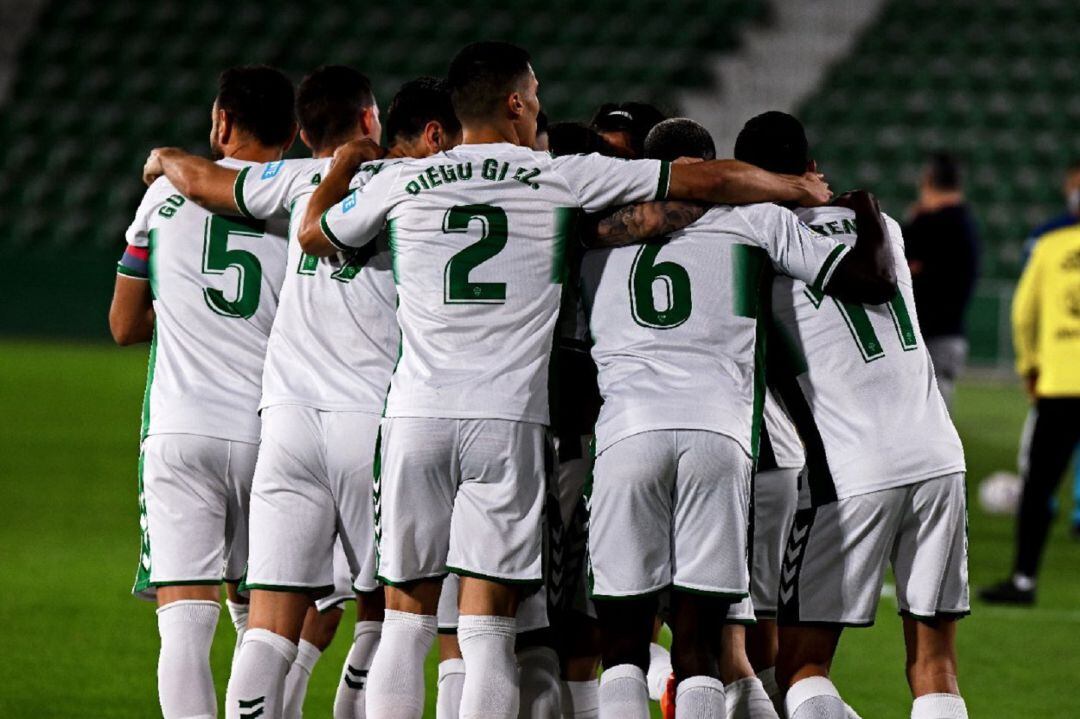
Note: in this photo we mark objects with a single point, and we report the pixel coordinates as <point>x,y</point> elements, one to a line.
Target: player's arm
<point>316,237</point>
<point>131,314</point>
<point>732,182</point>
<point>636,223</point>
<point>865,274</point>
<point>1025,322</point>
<point>202,181</point>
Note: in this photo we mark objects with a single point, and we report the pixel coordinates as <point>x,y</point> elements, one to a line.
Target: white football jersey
<point>785,449</point>
<point>858,383</point>
<point>675,321</point>
<point>215,282</point>
<point>335,337</point>
<point>478,238</point>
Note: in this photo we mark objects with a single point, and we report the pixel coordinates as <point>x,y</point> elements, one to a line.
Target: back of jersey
<point>674,325</point>
<point>478,236</point>
<point>215,283</point>
<point>858,382</point>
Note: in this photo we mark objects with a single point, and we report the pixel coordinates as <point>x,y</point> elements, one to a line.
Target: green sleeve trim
<point>330,234</point>
<point>128,272</point>
<point>664,183</point>
<point>827,268</point>
<point>238,193</point>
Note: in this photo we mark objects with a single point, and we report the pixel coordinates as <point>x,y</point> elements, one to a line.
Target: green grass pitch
<point>76,644</point>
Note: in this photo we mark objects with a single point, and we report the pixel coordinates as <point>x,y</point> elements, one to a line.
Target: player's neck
<point>251,151</point>
<point>933,200</point>
<point>490,133</point>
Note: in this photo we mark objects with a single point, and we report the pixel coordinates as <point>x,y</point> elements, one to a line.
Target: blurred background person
<point>1070,188</point>
<point>1046,335</point>
<point>942,245</point>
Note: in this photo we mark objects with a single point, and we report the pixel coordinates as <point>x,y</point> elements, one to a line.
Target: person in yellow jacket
<point>1046,334</point>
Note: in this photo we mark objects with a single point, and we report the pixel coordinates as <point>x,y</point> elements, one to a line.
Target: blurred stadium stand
<point>98,83</point>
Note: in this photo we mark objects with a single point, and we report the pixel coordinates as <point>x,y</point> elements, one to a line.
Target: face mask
<point>1073,201</point>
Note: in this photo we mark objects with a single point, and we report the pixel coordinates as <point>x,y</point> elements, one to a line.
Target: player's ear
<point>224,127</point>
<point>515,104</point>
<point>811,166</point>
<point>433,136</point>
<point>369,122</point>
<point>306,140</point>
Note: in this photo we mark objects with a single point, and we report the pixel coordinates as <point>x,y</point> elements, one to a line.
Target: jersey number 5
<point>457,289</point>
<point>218,258</point>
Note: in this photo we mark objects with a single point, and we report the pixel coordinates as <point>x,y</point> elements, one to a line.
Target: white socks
<point>491,673</point>
<point>623,694</point>
<point>747,699</point>
<point>296,681</point>
<point>185,684</point>
<point>395,686</point>
<point>699,697</point>
<point>238,612</point>
<point>814,698</point>
<point>939,706</point>
<point>257,685</point>
<point>659,671</point>
<point>451,682</point>
<point>772,689</point>
<point>541,693</point>
<point>581,700</point>
<point>352,686</point>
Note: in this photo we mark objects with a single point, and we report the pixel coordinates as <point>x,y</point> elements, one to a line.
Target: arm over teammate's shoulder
<point>732,182</point>
<point>339,219</point>
<point>597,181</point>
<point>794,248</point>
<point>199,179</point>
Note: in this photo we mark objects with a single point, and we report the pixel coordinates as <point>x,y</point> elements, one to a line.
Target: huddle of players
<point>438,270</point>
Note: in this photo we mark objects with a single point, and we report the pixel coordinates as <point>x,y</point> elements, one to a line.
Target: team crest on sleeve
<point>272,169</point>
<point>349,202</point>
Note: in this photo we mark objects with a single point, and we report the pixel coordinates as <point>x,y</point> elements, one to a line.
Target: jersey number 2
<point>218,258</point>
<point>457,289</point>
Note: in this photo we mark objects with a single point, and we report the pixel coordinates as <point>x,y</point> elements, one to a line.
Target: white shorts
<point>463,496</point>
<point>836,555</point>
<point>776,495</point>
<point>532,613</point>
<point>670,508</point>
<point>193,502</point>
<point>313,484</point>
<point>343,585</point>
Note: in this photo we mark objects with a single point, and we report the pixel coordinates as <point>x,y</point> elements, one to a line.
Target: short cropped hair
<point>417,103</point>
<point>259,99</point>
<point>774,141</point>
<point>679,137</point>
<point>329,103</point>
<point>943,171</point>
<point>482,75</point>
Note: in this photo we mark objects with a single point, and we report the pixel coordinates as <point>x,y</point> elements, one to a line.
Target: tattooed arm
<point>636,223</point>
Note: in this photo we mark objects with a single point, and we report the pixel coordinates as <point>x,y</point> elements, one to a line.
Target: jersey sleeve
<point>263,191</point>
<point>598,181</point>
<point>135,260</point>
<point>357,219</point>
<point>794,248</point>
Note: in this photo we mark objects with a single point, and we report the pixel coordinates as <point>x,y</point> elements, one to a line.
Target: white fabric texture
<point>257,684</point>
<point>349,702</point>
<point>492,683</point>
<point>623,693</point>
<point>395,688</point>
<point>185,681</point>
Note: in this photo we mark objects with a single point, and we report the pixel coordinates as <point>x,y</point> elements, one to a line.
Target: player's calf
<point>931,669</point>
<point>187,618</point>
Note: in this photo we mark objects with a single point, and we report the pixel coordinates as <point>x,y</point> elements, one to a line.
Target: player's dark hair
<point>481,76</point>
<point>944,171</point>
<point>574,138</point>
<point>679,137</point>
<point>774,141</point>
<point>635,118</point>
<point>417,103</point>
<point>329,102</point>
<point>259,99</point>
